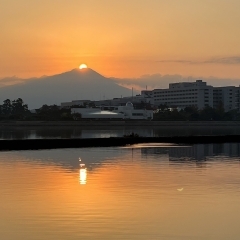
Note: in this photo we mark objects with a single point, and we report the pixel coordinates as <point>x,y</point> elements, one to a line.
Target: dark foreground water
<point>140,192</point>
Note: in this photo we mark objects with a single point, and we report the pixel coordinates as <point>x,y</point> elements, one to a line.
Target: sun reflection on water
<point>82,172</point>
<point>83,176</point>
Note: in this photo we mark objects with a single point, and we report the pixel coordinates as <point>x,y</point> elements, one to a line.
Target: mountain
<point>73,85</point>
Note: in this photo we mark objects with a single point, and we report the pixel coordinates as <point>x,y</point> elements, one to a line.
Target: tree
<point>18,107</point>
<point>191,113</point>
<point>77,116</point>
<point>7,107</point>
<point>163,107</point>
<point>53,113</point>
<point>15,109</point>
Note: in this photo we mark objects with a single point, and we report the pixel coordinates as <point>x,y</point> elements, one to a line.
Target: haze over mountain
<point>89,85</point>
<point>73,85</point>
<point>152,81</point>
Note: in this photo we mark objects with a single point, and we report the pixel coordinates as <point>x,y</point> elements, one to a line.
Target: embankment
<point>29,144</point>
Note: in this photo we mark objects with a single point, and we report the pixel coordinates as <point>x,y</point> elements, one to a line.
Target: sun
<point>82,66</point>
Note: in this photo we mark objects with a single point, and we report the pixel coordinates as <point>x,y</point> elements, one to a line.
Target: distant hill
<point>73,85</point>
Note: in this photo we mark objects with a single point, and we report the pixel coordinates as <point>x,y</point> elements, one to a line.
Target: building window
<point>137,114</point>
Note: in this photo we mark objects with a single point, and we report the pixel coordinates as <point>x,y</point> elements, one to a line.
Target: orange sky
<point>120,38</point>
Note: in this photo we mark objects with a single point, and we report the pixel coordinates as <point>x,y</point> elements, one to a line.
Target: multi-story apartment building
<point>197,94</point>
<point>183,94</point>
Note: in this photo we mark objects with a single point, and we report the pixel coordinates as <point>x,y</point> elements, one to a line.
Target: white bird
<point>180,189</point>
<point>79,159</point>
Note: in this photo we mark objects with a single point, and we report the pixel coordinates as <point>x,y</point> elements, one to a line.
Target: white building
<point>184,94</point>
<point>119,112</point>
<point>96,113</point>
<point>198,94</point>
<point>131,113</point>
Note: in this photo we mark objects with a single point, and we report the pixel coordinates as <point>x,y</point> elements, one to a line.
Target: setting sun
<point>82,66</point>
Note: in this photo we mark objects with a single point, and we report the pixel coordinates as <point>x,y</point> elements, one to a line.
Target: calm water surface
<point>139,192</point>
<point>108,131</point>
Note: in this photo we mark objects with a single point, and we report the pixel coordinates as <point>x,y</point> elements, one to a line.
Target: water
<point>108,131</point>
<point>140,192</point>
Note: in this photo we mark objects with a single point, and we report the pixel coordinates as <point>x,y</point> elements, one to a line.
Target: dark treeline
<point>53,113</point>
<point>195,114</point>
<point>15,109</point>
<point>18,110</point>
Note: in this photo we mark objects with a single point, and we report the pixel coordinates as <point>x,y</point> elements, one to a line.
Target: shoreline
<point>129,123</point>
<point>37,144</point>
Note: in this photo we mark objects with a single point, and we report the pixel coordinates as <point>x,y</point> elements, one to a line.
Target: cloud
<point>8,81</point>
<point>177,61</point>
<point>215,60</point>
<point>150,81</point>
<point>136,87</point>
<point>225,60</point>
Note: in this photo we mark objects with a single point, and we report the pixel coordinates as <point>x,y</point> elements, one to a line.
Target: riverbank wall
<point>36,144</point>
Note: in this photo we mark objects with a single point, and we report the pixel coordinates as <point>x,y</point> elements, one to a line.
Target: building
<point>75,103</point>
<point>178,95</point>
<point>131,113</point>
<point>197,94</point>
<point>116,112</point>
<point>227,97</point>
<point>182,95</point>
<point>96,113</point>
<point>136,100</point>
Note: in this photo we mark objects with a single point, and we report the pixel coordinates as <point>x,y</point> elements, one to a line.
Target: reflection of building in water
<point>83,176</point>
<point>154,150</point>
<point>196,152</point>
<point>201,151</point>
